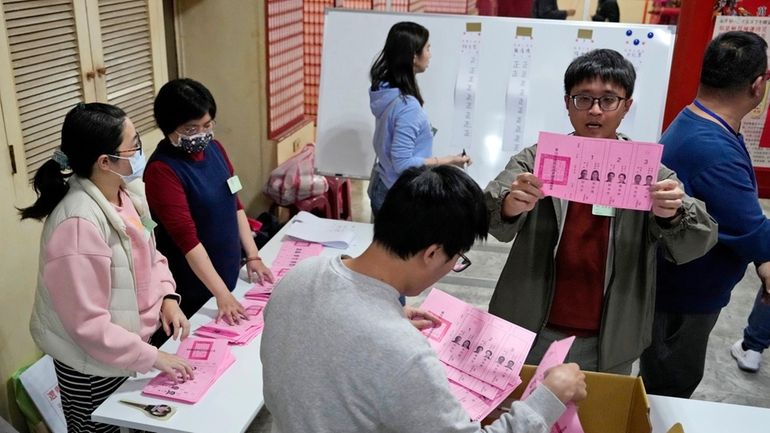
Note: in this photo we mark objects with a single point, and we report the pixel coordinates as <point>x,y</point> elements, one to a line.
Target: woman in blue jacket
<point>403,136</point>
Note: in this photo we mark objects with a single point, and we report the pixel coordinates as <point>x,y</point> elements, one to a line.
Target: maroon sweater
<point>580,265</point>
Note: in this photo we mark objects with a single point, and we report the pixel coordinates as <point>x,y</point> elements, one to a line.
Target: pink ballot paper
<point>482,354</point>
<point>569,421</point>
<point>241,333</point>
<point>599,171</point>
<point>291,253</point>
<point>208,358</point>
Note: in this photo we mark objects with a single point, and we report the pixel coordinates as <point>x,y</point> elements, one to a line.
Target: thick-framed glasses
<point>138,148</point>
<point>606,102</point>
<point>462,263</point>
<point>188,130</point>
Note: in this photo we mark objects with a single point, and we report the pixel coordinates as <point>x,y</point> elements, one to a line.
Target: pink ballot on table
<point>599,171</point>
<point>241,333</point>
<point>208,358</point>
<point>482,354</point>
<point>290,253</point>
<point>476,342</point>
<point>555,355</point>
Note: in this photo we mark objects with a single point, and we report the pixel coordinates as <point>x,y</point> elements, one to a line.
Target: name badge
<point>234,183</point>
<point>149,225</point>
<point>604,211</point>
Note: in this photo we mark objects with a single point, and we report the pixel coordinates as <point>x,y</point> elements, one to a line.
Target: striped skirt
<point>81,394</point>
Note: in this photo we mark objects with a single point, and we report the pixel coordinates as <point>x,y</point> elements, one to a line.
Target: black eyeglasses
<point>138,148</point>
<point>462,263</point>
<point>606,102</point>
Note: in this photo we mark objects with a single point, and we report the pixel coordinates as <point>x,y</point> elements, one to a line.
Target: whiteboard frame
<point>341,58</point>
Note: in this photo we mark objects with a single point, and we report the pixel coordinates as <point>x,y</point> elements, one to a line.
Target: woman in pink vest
<point>103,289</point>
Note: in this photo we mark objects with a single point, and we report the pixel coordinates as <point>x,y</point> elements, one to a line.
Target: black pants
<point>673,364</point>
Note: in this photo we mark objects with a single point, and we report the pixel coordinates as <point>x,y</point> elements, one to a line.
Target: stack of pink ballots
<point>291,253</point>
<point>481,353</point>
<point>208,358</point>
<point>243,332</point>
<point>261,291</point>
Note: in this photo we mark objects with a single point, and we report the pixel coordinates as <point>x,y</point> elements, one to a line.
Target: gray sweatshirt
<point>339,356</point>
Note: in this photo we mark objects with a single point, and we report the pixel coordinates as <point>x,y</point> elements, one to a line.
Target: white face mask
<point>137,162</point>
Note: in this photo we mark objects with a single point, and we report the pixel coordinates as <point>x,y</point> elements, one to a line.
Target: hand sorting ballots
<point>175,368</point>
<point>421,319</point>
<point>566,382</point>
<point>230,310</point>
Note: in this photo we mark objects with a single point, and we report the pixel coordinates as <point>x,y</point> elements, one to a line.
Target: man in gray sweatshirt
<point>341,354</point>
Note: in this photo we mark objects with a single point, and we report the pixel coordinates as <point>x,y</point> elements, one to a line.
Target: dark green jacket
<point>524,292</point>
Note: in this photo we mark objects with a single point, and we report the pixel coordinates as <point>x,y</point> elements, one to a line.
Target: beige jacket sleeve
<point>695,233</point>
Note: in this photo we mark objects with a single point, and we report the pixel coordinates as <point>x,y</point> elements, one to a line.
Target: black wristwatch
<point>175,296</point>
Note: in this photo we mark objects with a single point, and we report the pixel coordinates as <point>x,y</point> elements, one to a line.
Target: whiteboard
<point>352,40</point>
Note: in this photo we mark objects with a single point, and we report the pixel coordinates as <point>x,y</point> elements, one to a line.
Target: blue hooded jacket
<point>402,133</point>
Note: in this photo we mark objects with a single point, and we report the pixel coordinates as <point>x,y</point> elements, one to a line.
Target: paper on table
<point>241,333</point>
<point>208,358</point>
<point>331,233</point>
<point>290,253</point>
<point>555,355</point>
<point>481,354</point>
<point>476,342</point>
<point>600,171</point>
<point>40,382</point>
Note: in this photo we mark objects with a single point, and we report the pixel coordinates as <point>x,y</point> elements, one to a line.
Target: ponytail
<point>89,131</point>
<point>51,186</point>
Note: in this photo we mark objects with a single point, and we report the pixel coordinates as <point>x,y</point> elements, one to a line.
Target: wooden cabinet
<point>56,53</point>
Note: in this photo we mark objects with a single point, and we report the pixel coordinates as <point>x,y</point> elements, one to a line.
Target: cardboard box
<point>615,403</point>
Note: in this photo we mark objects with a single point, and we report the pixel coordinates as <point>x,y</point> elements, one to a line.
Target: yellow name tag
<point>235,184</point>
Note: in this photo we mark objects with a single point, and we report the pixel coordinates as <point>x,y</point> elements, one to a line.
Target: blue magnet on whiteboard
<point>636,41</point>
<point>629,32</point>
<point>650,35</point>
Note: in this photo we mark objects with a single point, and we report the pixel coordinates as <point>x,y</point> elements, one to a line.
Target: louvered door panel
<point>127,52</point>
<point>46,64</point>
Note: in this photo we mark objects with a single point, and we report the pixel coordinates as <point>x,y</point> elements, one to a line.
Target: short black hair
<point>431,205</point>
<point>180,101</point>
<point>733,60</point>
<point>605,64</point>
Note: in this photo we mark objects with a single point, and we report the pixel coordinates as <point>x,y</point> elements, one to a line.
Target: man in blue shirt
<point>708,153</point>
